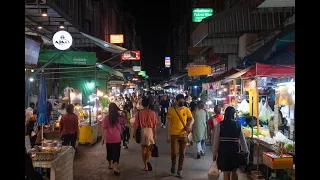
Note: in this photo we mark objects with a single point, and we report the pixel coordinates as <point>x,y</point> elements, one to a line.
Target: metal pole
<point>36,72</point>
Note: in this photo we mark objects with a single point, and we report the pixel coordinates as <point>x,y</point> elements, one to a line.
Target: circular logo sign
<point>62,40</point>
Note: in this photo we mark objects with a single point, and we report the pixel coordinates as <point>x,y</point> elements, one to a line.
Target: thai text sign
<point>200,13</point>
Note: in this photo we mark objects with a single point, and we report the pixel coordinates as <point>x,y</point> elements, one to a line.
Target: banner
<point>32,49</point>
<point>136,68</point>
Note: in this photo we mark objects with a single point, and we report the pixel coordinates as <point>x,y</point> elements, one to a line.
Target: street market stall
<point>77,79</point>
<point>269,137</point>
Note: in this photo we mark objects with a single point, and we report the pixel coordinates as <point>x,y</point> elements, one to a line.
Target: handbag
<point>138,131</point>
<point>241,156</point>
<point>154,151</point>
<point>184,125</point>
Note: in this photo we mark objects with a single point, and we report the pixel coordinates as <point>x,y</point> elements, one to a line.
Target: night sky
<point>153,25</point>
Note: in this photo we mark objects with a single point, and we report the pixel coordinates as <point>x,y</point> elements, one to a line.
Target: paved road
<point>91,164</point>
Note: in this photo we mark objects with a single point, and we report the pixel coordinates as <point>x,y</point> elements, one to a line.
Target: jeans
<point>178,144</point>
<point>69,139</point>
<point>201,146</point>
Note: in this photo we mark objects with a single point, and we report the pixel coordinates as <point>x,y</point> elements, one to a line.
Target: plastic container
<point>242,121</point>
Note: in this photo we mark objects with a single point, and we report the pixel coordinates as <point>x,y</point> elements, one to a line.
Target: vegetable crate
<point>273,161</point>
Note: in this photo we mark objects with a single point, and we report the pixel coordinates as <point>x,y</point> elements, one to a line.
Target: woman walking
<point>111,135</point>
<point>69,127</point>
<point>226,137</point>
<point>199,131</point>
<point>147,120</point>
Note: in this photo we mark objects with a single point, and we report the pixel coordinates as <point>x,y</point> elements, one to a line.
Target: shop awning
<point>235,75</point>
<point>278,43</point>
<point>111,70</point>
<point>224,74</point>
<point>270,70</point>
<point>69,57</point>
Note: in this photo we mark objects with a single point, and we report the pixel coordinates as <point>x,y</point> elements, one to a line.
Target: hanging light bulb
<point>44,12</point>
<point>61,25</point>
<point>32,70</point>
<point>40,25</point>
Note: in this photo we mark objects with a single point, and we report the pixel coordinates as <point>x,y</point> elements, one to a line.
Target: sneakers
<point>202,153</point>
<point>163,126</point>
<point>173,169</point>
<point>179,175</point>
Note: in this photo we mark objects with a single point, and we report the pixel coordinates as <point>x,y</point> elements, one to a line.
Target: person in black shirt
<point>164,105</point>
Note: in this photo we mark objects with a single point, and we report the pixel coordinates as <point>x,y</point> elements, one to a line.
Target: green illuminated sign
<point>200,13</point>
<point>146,77</point>
<point>142,73</point>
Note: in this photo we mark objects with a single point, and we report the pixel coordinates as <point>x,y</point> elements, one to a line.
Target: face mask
<point>180,104</point>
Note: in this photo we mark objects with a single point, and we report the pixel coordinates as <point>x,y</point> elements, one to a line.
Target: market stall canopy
<point>224,74</point>
<point>235,75</point>
<point>269,70</point>
<point>69,57</point>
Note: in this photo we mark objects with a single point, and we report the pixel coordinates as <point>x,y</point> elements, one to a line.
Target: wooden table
<point>61,168</point>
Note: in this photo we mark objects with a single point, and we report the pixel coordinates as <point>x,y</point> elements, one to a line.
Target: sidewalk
<point>91,163</point>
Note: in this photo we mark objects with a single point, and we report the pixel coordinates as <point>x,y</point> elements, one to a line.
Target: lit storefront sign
<point>200,13</point>
<point>142,73</point>
<point>116,38</point>
<point>127,56</point>
<point>62,40</point>
<point>167,62</point>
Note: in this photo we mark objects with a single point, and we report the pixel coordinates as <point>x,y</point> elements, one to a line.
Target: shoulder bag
<point>184,125</point>
<point>154,151</point>
<point>241,156</point>
<point>138,131</point>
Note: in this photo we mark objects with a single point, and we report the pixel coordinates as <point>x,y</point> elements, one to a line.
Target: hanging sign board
<point>62,40</point>
<point>116,38</point>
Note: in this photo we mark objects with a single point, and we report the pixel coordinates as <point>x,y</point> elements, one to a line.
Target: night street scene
<point>159,90</point>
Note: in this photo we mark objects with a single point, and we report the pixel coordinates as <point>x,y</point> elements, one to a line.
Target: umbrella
<point>42,103</point>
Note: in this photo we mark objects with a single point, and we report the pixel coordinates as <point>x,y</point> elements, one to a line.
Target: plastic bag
<point>263,115</point>
<point>213,173</point>
<point>244,107</point>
